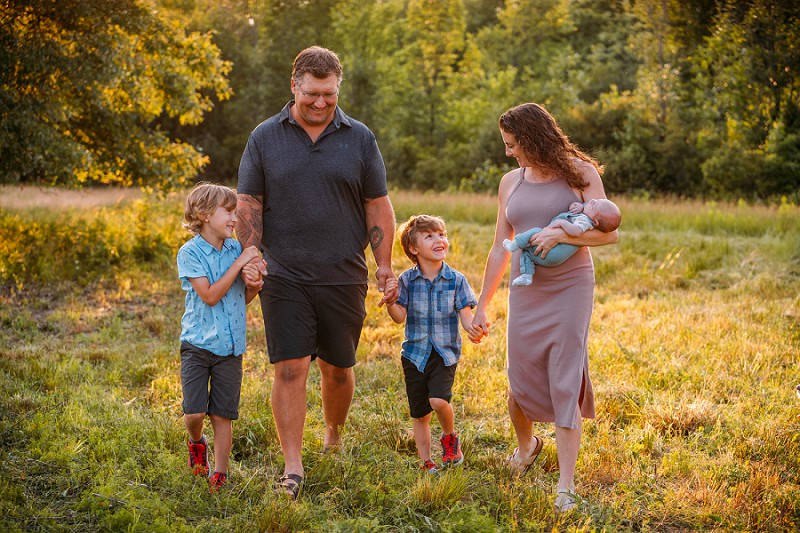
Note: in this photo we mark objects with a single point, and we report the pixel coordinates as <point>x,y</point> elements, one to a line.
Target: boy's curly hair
<point>415,225</point>
<point>202,201</point>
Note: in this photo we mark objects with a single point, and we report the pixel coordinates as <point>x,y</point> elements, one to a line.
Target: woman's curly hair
<point>545,144</point>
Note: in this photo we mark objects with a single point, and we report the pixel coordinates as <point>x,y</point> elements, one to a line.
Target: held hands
<point>251,275</point>
<point>475,333</point>
<point>255,268</point>
<point>387,284</point>
<point>479,327</point>
<point>249,253</point>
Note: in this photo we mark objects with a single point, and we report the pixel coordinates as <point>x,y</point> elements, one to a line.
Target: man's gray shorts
<point>199,368</point>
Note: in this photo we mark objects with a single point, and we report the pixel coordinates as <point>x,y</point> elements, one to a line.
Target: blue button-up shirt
<point>220,329</point>
<point>432,314</point>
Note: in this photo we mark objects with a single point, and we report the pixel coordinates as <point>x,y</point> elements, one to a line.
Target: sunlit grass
<point>693,355</point>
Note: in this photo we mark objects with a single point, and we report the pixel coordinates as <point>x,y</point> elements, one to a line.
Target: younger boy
<point>597,213</point>
<point>432,298</point>
<point>213,324</point>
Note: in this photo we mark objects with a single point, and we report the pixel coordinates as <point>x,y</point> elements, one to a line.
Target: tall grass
<point>693,355</point>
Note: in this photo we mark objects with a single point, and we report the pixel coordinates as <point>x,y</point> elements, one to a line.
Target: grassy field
<point>693,351</point>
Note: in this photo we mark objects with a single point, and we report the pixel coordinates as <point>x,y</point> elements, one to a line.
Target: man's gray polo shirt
<point>314,222</point>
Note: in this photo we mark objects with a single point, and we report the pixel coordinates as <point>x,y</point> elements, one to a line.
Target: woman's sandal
<point>290,485</point>
<point>566,501</point>
<point>523,465</point>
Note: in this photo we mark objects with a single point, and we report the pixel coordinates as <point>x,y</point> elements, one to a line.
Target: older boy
<point>213,324</point>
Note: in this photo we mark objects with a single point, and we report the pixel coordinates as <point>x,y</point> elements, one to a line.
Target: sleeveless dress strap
<point>521,179</point>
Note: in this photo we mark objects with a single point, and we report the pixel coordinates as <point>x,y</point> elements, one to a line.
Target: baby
<point>598,213</point>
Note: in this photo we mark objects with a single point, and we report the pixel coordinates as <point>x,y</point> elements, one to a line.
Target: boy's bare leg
<point>444,412</point>
<point>289,410</point>
<point>338,385</point>
<point>194,425</point>
<point>223,442</point>
<point>422,436</point>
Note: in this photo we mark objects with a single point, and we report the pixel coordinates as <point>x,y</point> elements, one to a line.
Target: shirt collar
<point>446,272</point>
<point>339,117</point>
<point>207,248</point>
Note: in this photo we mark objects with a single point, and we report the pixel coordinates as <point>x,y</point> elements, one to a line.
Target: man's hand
<point>389,290</point>
<point>253,273</point>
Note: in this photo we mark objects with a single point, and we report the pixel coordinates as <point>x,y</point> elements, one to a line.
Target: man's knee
<point>291,371</point>
<point>338,377</point>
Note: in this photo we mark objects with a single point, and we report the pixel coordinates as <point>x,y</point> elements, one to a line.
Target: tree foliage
<point>84,84</point>
<point>686,98</point>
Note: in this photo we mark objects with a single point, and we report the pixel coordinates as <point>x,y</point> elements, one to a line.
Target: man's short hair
<point>317,61</point>
<point>413,227</point>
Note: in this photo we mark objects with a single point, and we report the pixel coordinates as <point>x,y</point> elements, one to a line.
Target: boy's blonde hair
<point>203,200</point>
<point>414,226</point>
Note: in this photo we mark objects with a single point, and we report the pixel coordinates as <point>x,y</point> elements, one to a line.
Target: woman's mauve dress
<point>548,321</point>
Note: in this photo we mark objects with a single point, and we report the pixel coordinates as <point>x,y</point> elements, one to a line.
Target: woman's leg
<point>522,427</point>
<point>568,442</point>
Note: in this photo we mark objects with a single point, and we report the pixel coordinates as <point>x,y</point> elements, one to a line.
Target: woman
<point>548,321</point>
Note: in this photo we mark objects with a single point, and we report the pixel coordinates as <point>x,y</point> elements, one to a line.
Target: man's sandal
<point>523,465</point>
<point>290,485</point>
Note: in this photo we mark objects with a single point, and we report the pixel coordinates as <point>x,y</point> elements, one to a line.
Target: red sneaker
<point>217,481</point>
<point>198,457</point>
<point>430,467</point>
<point>451,450</point>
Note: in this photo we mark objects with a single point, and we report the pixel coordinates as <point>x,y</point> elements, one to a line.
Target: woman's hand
<point>480,323</point>
<point>545,240</point>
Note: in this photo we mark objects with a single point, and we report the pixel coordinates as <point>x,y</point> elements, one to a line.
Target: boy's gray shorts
<point>201,368</point>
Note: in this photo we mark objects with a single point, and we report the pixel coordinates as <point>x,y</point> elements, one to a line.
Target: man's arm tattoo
<point>249,223</point>
<point>375,237</point>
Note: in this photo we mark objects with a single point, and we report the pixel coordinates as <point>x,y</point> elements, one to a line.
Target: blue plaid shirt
<point>220,329</point>
<point>432,314</point>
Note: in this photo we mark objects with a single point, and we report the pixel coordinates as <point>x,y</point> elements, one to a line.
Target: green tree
<point>435,68</point>
<point>83,83</point>
<point>365,36</point>
<point>260,38</point>
<point>748,74</point>
<point>655,145</point>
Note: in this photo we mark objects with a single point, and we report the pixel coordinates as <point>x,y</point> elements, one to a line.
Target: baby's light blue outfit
<point>557,254</point>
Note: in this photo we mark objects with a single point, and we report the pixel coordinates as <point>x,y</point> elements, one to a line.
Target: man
<point>312,193</point>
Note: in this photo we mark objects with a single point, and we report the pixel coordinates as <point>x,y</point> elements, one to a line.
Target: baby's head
<point>605,214</point>
<point>203,201</point>
<point>414,227</point>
